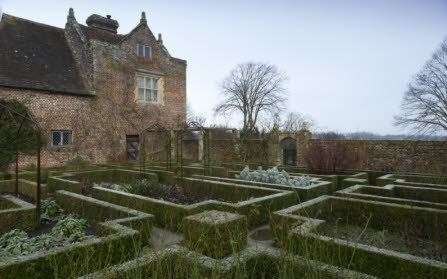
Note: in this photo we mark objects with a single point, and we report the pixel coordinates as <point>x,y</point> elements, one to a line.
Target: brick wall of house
<point>58,112</point>
<point>100,123</point>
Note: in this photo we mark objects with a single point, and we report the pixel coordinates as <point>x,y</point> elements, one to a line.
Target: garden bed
<point>16,213</point>
<point>252,262</point>
<point>170,193</point>
<point>316,189</point>
<point>119,235</point>
<point>82,182</point>
<point>417,180</point>
<point>26,188</point>
<point>254,202</point>
<point>400,194</point>
<point>310,230</point>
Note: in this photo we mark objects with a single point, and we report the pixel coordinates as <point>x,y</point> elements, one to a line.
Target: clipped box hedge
<point>252,262</point>
<point>256,204</point>
<point>400,194</point>
<point>26,187</point>
<point>304,193</point>
<point>81,182</point>
<point>428,181</point>
<point>119,234</point>
<point>215,233</point>
<point>297,229</point>
<point>16,214</point>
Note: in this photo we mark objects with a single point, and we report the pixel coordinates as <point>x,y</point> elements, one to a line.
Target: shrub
<point>275,177</point>
<point>17,243</point>
<point>50,209</point>
<point>327,157</point>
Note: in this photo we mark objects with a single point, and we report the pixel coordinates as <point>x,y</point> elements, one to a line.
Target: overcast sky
<point>348,62</point>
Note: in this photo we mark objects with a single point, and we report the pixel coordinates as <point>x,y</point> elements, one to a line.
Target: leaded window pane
<point>66,137</point>
<point>140,82</point>
<point>149,83</point>
<point>147,52</point>
<point>141,94</point>
<point>56,138</point>
<point>148,95</point>
<point>140,50</point>
<point>154,95</point>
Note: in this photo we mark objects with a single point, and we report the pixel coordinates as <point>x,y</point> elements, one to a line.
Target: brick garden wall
<point>394,155</point>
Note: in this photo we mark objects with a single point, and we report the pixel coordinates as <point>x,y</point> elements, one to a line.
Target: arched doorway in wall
<point>288,149</point>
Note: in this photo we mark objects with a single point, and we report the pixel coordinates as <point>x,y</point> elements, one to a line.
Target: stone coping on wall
<point>257,206</point>
<point>317,189</point>
<point>258,260</point>
<point>16,214</point>
<point>119,234</point>
<point>400,194</point>
<point>297,229</point>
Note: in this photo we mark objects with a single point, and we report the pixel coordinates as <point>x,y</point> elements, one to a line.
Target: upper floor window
<point>61,137</point>
<point>148,88</point>
<point>144,51</point>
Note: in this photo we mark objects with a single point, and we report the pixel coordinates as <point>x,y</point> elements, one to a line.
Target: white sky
<point>348,62</point>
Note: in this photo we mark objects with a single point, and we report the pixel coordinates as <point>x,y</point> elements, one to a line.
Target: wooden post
<point>39,150</point>
<point>16,187</point>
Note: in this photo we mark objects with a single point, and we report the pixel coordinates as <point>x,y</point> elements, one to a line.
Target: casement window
<point>148,89</point>
<point>61,137</point>
<point>144,51</point>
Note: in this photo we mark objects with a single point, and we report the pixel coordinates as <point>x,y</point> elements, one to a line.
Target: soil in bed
<point>177,194</point>
<point>399,242</point>
<point>171,193</point>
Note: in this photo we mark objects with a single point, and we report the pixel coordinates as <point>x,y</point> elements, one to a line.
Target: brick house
<point>91,89</point>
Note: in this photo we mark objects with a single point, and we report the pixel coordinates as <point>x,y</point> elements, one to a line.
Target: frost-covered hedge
<point>274,176</point>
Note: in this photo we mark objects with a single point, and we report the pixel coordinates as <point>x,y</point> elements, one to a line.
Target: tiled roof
<point>37,56</point>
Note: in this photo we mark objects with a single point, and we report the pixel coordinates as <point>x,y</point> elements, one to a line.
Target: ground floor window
<point>61,137</point>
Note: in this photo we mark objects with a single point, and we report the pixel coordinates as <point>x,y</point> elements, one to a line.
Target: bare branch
<point>253,89</point>
<point>424,106</point>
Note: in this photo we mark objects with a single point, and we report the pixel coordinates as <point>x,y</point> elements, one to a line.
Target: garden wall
<point>393,155</point>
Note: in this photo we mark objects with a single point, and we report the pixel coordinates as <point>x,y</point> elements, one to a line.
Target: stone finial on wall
<point>143,18</point>
<point>160,39</point>
<point>71,15</point>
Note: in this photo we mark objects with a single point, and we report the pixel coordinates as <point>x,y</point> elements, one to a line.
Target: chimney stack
<point>103,23</point>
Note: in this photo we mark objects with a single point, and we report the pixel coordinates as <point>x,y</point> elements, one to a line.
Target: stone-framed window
<point>149,88</point>
<point>61,137</point>
<point>144,51</point>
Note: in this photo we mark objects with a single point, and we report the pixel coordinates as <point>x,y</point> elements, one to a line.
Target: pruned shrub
<point>328,157</point>
<point>274,176</point>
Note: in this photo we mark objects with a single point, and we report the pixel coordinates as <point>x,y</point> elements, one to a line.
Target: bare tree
<point>253,89</point>
<point>295,122</point>
<point>193,117</point>
<point>424,107</point>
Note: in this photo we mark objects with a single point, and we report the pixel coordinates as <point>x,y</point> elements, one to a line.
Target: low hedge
<point>428,181</point>
<point>26,187</point>
<point>257,204</point>
<point>305,193</point>
<point>252,262</point>
<point>119,235</point>
<point>400,194</point>
<point>16,214</point>
<point>81,182</point>
<point>297,229</point>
